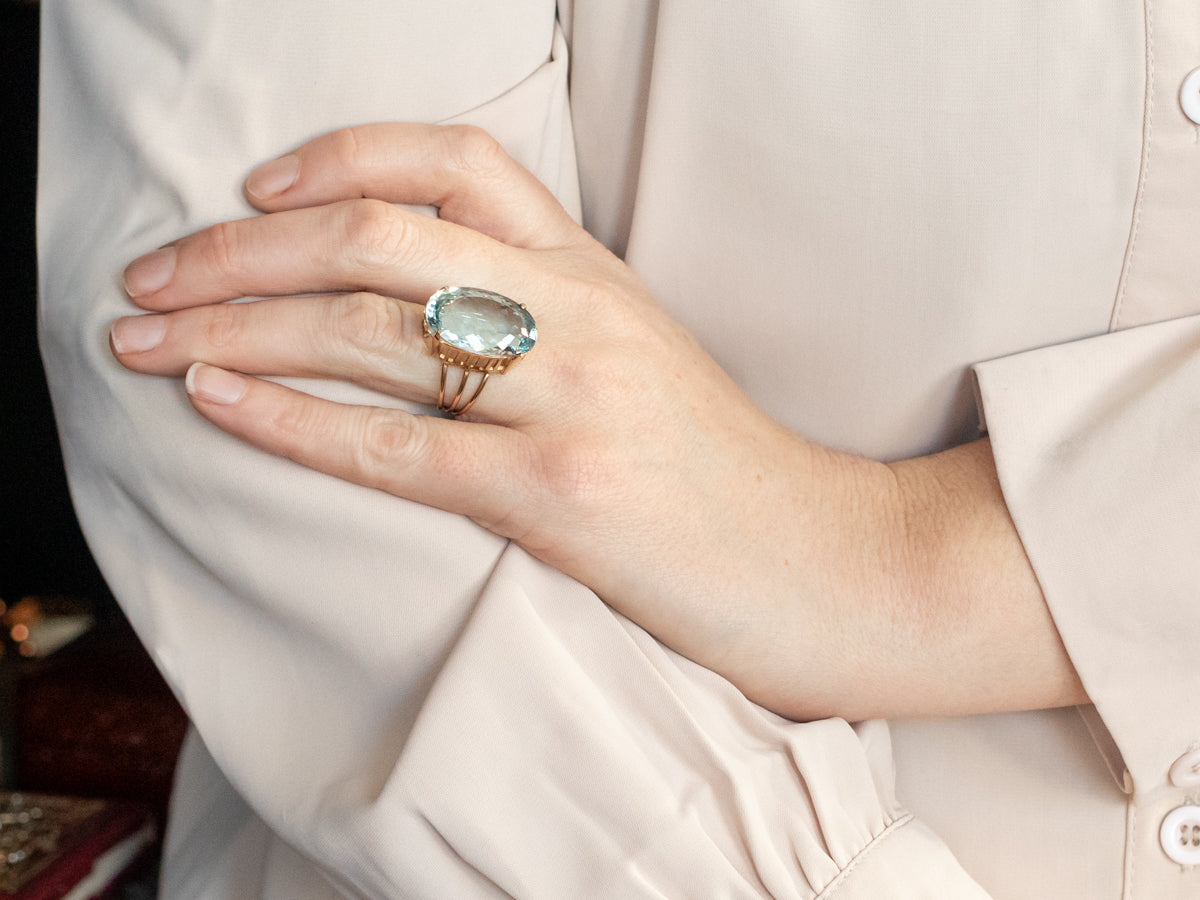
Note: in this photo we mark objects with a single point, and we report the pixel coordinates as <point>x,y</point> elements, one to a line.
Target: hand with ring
<point>616,451</point>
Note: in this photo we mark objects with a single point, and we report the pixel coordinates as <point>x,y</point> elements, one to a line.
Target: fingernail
<point>215,385</point>
<point>137,334</point>
<point>274,177</point>
<point>151,272</point>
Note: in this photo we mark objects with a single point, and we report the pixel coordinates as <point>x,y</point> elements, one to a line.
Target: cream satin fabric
<point>851,208</point>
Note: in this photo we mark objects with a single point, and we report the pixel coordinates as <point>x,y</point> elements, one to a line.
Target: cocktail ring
<point>479,333</point>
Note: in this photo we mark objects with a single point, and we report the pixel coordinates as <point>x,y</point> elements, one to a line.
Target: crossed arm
<point>817,582</point>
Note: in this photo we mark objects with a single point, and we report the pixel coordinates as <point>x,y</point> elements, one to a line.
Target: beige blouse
<point>882,221</point>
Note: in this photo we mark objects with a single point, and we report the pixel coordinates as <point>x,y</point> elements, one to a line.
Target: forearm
<point>971,593</point>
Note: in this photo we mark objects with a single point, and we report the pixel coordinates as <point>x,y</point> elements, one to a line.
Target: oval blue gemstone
<point>481,322</point>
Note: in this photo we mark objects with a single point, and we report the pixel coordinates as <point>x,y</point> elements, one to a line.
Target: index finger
<point>461,170</point>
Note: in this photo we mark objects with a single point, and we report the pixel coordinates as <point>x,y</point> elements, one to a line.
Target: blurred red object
<point>95,719</point>
<point>57,847</point>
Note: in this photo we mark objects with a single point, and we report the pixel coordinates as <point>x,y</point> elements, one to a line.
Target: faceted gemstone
<point>480,322</point>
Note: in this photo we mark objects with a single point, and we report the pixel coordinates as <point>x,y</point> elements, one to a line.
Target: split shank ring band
<point>479,333</point>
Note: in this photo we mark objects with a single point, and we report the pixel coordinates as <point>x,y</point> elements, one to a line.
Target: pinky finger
<point>477,470</point>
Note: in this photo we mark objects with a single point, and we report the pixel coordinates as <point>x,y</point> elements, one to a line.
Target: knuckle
<point>224,327</point>
<point>514,522</point>
<point>601,382</point>
<point>388,439</point>
<point>623,329</point>
<point>347,146</point>
<point>295,425</point>
<point>370,322</point>
<point>601,385</point>
<point>224,245</point>
<point>475,153</point>
<point>376,234</point>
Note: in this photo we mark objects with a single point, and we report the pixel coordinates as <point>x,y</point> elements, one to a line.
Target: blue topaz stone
<point>477,329</point>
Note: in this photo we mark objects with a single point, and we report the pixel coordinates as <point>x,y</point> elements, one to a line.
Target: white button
<point>1186,770</point>
<point>1189,96</point>
<point>1180,835</point>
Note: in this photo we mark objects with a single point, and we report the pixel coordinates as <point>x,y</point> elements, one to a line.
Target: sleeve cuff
<point>1097,445</point>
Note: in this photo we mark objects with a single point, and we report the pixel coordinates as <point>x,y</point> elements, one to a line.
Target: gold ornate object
<point>31,828</point>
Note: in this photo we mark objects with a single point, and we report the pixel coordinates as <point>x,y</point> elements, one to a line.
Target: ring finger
<point>372,340</point>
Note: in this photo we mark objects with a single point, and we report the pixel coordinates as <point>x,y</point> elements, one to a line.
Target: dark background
<point>41,548</point>
<point>93,719</point>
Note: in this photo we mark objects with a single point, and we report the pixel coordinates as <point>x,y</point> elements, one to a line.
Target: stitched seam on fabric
<point>1130,857</point>
<point>1143,172</point>
<point>1106,745</point>
<point>843,876</point>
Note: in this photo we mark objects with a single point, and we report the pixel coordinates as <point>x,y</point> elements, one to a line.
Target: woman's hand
<point>617,452</point>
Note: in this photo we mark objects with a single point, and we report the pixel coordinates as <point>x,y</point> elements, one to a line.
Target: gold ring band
<point>455,406</point>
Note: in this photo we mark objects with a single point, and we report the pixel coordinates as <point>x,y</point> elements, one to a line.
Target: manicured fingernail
<point>215,385</point>
<point>151,272</point>
<point>137,334</point>
<point>274,177</point>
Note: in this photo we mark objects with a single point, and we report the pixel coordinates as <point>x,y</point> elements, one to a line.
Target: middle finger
<point>371,340</point>
<point>348,246</point>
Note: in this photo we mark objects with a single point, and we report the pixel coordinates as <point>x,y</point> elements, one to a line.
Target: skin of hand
<point>618,452</point>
